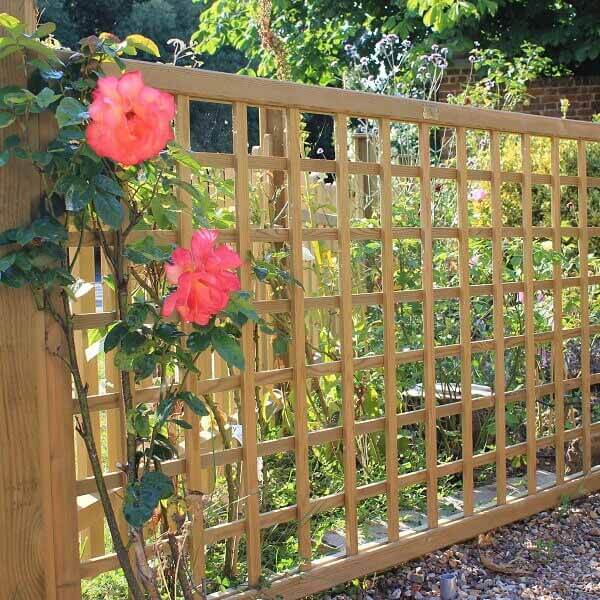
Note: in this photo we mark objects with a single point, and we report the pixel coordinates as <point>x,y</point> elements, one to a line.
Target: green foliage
<point>314,33</point>
<point>501,82</point>
<point>441,15</point>
<point>142,497</point>
<point>108,586</point>
<point>147,251</point>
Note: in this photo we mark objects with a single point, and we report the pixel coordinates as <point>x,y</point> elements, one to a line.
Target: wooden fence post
<point>38,511</point>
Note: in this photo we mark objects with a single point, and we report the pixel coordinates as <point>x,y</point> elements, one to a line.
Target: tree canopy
<point>314,32</point>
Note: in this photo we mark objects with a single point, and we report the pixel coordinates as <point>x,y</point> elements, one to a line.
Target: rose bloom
<point>129,121</point>
<point>204,278</point>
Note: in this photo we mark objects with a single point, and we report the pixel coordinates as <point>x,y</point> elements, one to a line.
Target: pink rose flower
<point>130,122</point>
<point>204,276</point>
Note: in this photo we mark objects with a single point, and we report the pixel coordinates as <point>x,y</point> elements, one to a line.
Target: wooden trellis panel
<point>200,461</point>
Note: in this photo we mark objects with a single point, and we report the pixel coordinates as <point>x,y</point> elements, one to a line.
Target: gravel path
<point>553,555</point>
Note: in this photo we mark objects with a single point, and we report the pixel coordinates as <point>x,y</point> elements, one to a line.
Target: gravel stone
<point>554,555</point>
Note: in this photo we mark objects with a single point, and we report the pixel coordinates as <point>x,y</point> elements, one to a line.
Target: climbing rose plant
<point>110,171</point>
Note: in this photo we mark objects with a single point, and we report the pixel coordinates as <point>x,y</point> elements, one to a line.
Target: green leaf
<point>49,229</point>
<point>195,404</point>
<point>8,48</point>
<point>201,197</point>
<point>168,332</point>
<point>228,348</point>
<point>36,46</point>
<point>77,192</point>
<point>160,484</point>
<point>24,235</point>
<point>143,43</point>
<point>114,336</point>
<point>238,303</point>
<point>164,409</point>
<point>198,341</point>
<point>4,157</point>
<point>12,141</point>
<point>108,185</point>
<point>183,424</point>
<point>109,209</point>
<point>17,97</point>
<point>281,345</point>
<point>42,158</point>
<point>45,29</point>
<point>6,119</point>
<point>7,261</point>
<point>132,341</point>
<point>46,97</point>
<point>70,112</point>
<point>124,361</point>
<point>181,155</point>
<point>141,498</point>
<point>10,22</point>
<point>144,365</point>
<point>136,315</point>
<point>138,422</point>
<point>146,251</point>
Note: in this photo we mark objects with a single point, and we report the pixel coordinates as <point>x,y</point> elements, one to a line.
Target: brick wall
<point>583,93</point>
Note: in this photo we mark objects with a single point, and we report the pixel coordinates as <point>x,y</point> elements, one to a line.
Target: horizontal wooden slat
<point>223,87</point>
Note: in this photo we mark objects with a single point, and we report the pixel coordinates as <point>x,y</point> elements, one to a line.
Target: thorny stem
<point>145,572</point>
<point>180,573</point>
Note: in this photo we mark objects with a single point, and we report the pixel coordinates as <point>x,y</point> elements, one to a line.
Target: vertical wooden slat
<point>428,328</point>
<point>557,346</point>
<point>585,306</point>
<point>349,439</point>
<point>528,278</point>
<point>498,293</point>
<point>298,336</point>
<point>247,391</point>
<point>389,331</point>
<point>193,473</point>
<point>465,322</point>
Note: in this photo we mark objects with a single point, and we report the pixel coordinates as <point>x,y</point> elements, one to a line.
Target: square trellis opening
<point>445,267</point>
<point>369,396</point>
<point>511,196</point>
<point>406,202</point>
<point>410,392</point>
<point>444,202</point>
<point>510,152</point>
<point>365,200</point>
<point>408,264</point>
<point>409,326</point>
<point>404,141</point>
<point>482,327</point>
<point>366,261</point>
